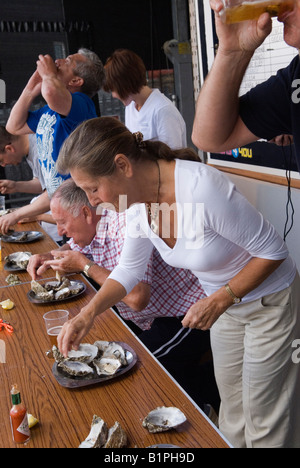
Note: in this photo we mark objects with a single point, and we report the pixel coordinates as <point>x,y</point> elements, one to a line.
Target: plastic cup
<point>54,321</point>
<point>235,11</point>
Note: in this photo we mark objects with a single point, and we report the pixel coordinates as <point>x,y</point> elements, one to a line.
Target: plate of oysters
<point>55,291</point>
<point>17,261</point>
<point>22,237</point>
<point>93,363</point>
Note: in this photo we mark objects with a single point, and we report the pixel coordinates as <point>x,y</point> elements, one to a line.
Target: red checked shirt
<point>173,290</point>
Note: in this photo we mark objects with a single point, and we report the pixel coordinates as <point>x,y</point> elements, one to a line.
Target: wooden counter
<point>65,415</point>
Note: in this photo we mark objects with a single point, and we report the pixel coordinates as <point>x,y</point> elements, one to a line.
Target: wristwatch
<point>236,300</point>
<point>87,268</point>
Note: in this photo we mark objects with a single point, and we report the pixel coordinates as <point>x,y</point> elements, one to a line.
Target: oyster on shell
<point>62,294</point>
<point>58,285</point>
<point>117,437</point>
<point>56,290</point>
<point>75,288</point>
<point>163,418</point>
<point>91,355</point>
<point>107,365</point>
<point>40,292</point>
<point>111,349</point>
<point>98,434</point>
<point>101,345</point>
<point>18,259</point>
<point>76,368</point>
<point>85,353</point>
<point>52,286</point>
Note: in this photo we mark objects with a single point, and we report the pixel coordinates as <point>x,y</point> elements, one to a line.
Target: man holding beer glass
<point>268,110</point>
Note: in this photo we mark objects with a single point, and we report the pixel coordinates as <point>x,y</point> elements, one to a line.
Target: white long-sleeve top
<point>219,232</point>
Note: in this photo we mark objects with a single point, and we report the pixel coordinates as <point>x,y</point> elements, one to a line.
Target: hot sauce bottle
<point>18,418</point>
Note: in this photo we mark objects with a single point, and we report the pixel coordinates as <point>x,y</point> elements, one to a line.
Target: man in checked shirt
<point>155,307</point>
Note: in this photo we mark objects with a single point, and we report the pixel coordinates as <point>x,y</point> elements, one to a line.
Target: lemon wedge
<point>7,305</point>
<point>32,421</point>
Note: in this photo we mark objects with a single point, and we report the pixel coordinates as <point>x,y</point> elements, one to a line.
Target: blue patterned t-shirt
<point>52,129</point>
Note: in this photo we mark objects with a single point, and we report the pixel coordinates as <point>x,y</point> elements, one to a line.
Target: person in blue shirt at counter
<point>67,85</point>
<point>269,109</point>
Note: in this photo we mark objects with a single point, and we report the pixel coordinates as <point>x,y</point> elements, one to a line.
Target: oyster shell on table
<point>76,368</point>
<point>117,437</point>
<point>163,418</point>
<point>98,434</point>
<point>107,365</point>
<point>18,259</point>
<point>101,437</point>
<point>13,280</point>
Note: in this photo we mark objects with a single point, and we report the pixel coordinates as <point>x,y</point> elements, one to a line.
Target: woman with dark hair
<point>196,219</point>
<point>147,110</point>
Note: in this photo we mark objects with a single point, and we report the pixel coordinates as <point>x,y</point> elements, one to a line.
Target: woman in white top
<point>251,281</point>
<point>147,110</point>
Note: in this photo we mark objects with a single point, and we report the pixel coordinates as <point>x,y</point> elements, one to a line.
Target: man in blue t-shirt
<point>67,85</point>
<point>268,110</point>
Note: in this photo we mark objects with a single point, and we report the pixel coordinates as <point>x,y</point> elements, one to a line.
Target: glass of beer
<point>235,11</point>
<point>54,321</point>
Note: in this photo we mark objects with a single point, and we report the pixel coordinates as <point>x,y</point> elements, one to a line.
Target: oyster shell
<point>57,285</point>
<point>75,368</point>
<point>112,349</point>
<point>116,350</point>
<point>52,285</point>
<point>75,288</point>
<point>56,290</point>
<point>12,280</point>
<point>62,294</point>
<point>18,259</point>
<point>101,437</point>
<point>107,365</point>
<point>40,292</point>
<point>85,353</point>
<point>162,419</point>
<point>117,437</point>
<point>101,345</point>
<point>98,434</point>
<point>57,354</point>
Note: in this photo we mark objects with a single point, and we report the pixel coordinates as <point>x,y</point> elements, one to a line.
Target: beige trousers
<point>258,382</point>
